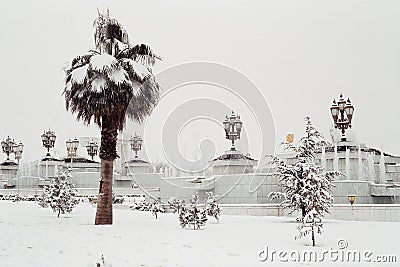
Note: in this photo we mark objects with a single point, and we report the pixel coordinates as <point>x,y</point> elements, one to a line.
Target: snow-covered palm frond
<point>103,62</point>
<point>81,60</point>
<point>113,81</point>
<point>110,37</point>
<point>119,76</point>
<point>78,75</point>
<point>140,53</point>
<point>136,70</point>
<point>100,84</point>
<point>144,100</point>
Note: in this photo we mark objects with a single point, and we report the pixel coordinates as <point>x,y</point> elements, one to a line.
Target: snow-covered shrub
<point>176,204</point>
<point>59,195</point>
<point>307,186</point>
<point>156,207</point>
<point>192,215</point>
<point>141,206</point>
<point>212,208</point>
<point>117,199</point>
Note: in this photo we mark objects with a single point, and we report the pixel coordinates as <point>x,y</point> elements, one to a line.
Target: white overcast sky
<point>301,54</point>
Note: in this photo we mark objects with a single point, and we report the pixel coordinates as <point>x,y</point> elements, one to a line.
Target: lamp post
<point>48,140</point>
<point>72,146</point>
<point>92,147</point>
<point>342,114</point>
<point>136,143</point>
<point>233,127</point>
<point>7,146</point>
<point>17,150</point>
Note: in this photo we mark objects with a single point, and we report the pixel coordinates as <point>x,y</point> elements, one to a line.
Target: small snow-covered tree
<point>156,207</point>
<point>59,195</point>
<point>212,208</point>
<point>192,215</point>
<point>176,204</point>
<point>306,186</point>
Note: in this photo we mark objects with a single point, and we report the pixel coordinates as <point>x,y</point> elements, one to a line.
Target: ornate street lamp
<point>17,150</point>
<point>72,146</point>
<point>48,140</point>
<point>342,114</point>
<point>92,147</point>
<point>233,127</point>
<point>7,146</point>
<point>136,143</point>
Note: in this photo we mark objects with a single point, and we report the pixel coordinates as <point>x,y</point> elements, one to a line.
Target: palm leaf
<point>141,53</point>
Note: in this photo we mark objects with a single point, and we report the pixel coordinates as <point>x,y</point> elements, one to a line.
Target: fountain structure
<point>372,175</point>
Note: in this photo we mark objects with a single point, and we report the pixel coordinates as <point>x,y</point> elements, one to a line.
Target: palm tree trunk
<point>108,152</point>
<point>104,201</point>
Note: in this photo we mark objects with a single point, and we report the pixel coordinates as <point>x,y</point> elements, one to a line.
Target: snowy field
<point>33,236</point>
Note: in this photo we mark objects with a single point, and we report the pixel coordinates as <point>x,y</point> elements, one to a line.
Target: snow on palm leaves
<point>114,80</point>
<point>306,186</point>
<point>107,85</point>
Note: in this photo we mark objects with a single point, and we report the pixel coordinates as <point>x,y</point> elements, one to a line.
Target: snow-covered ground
<point>33,236</point>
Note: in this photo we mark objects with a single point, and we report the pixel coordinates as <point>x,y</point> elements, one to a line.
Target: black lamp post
<point>7,146</point>
<point>92,148</point>
<point>136,143</point>
<point>342,114</point>
<point>233,127</point>
<point>48,140</point>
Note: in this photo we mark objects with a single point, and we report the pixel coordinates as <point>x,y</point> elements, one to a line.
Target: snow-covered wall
<point>356,212</point>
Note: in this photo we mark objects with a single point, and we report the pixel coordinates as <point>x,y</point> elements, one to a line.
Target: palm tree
<point>106,85</point>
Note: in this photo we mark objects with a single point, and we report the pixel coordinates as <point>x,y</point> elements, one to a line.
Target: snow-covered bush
<point>156,207</point>
<point>192,215</point>
<point>141,206</point>
<point>59,195</point>
<point>307,186</point>
<point>117,199</point>
<point>212,208</point>
<point>176,204</point>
